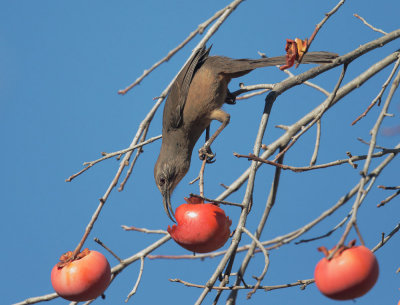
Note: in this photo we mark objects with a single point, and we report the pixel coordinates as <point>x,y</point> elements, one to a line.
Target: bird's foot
<point>230,99</point>
<point>205,153</point>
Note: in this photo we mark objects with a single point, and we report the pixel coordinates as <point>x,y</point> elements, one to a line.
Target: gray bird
<point>195,99</point>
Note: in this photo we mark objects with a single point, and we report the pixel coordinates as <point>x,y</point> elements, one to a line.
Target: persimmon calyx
<point>327,252</point>
<point>67,257</point>
<point>193,200</point>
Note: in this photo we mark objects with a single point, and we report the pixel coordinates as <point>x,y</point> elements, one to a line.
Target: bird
<point>194,100</point>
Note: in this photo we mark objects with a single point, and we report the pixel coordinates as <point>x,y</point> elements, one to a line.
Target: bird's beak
<point>167,205</point>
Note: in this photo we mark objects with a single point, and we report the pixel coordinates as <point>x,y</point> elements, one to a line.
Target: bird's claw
<point>230,99</point>
<point>205,153</point>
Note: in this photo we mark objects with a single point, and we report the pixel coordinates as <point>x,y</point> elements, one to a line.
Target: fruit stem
<point>324,250</point>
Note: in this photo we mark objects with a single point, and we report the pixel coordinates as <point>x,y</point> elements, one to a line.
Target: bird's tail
<point>239,67</point>
<point>309,58</point>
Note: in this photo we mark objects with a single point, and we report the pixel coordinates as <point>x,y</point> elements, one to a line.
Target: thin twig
<point>316,146</point>
<point>363,192</point>
<point>138,152</point>
<point>243,89</point>
<point>378,98</point>
<point>308,83</point>
<point>389,187</point>
<point>368,25</point>
<point>133,291</point>
<point>318,27</point>
<point>266,261</point>
<point>325,165</point>
<point>217,201</point>
<point>246,96</point>
<point>113,154</point>
<point>171,53</point>
<point>107,248</point>
<point>252,249</point>
<point>35,300</point>
<point>383,202</point>
<point>386,239</point>
<point>328,104</point>
<point>340,224</point>
<point>302,283</point>
<point>201,177</point>
<point>144,230</point>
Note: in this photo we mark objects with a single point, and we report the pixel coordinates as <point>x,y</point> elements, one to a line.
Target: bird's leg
<point>205,151</point>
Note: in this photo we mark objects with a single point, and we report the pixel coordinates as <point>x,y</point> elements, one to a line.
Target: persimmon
<point>351,272</point>
<point>202,227</point>
<point>82,278</point>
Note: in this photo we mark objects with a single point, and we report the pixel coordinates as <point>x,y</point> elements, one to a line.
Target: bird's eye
<point>161,181</point>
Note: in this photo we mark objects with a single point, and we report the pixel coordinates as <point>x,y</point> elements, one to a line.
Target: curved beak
<point>167,205</point>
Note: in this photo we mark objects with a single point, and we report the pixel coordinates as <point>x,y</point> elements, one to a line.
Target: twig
<point>217,201</point>
<point>35,300</point>
<point>302,283</point>
<point>108,249</point>
<point>386,239</point>
<point>243,89</point>
<point>110,155</point>
<point>137,281</point>
<point>201,177</point>
<point>325,165</point>
<point>328,104</point>
<point>252,249</point>
<point>266,262</point>
<point>246,96</point>
<point>383,202</point>
<point>308,83</point>
<point>368,25</point>
<point>318,27</point>
<point>316,146</point>
<point>144,230</point>
<point>378,98</point>
<point>363,192</point>
<point>389,187</point>
<point>138,152</point>
<point>326,234</point>
<point>171,53</point>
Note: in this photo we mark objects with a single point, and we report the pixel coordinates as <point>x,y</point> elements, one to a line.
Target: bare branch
<point>320,166</point>
<point>363,192</point>
<point>319,26</point>
<point>266,261</point>
<point>171,53</point>
<point>35,300</point>
<point>317,141</point>
<point>137,281</point>
<point>378,98</point>
<point>386,239</point>
<point>368,25</point>
<point>144,230</point>
<point>302,283</point>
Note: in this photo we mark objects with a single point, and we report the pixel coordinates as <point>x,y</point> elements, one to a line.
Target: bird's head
<point>168,172</point>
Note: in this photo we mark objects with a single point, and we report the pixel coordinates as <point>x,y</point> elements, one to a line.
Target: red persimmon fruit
<point>202,227</point>
<point>351,272</point>
<point>82,278</point>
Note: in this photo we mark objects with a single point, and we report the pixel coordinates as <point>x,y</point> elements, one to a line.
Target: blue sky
<point>62,64</point>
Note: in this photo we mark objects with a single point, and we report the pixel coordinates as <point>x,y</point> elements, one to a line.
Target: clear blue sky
<point>62,63</point>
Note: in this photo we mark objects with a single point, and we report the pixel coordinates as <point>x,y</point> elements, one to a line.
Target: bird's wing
<point>176,100</point>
